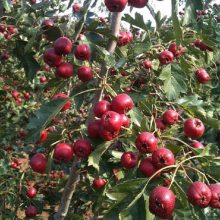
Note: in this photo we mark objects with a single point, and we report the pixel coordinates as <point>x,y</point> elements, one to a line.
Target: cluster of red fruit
<point>111,117</point>
<point>16,96</point>
<point>119,5</point>
<point>8,31</point>
<point>63,152</point>
<point>63,46</point>
<point>162,200</point>
<point>167,56</point>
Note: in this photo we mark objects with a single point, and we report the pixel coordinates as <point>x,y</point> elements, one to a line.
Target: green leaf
<point>174,82</point>
<point>190,11</point>
<point>138,21</point>
<point>7,5</point>
<point>43,117</point>
<point>53,33</point>
<point>30,65</point>
<point>96,155</point>
<point>136,116</point>
<point>126,195</point>
<point>176,24</point>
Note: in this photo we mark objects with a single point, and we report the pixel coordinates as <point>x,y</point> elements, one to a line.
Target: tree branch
<point>68,192</point>
<point>115,27</point>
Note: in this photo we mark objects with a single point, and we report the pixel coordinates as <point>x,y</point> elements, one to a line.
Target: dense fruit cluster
<point>112,117</point>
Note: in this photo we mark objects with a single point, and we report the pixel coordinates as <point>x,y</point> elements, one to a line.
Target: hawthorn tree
<point>100,122</point>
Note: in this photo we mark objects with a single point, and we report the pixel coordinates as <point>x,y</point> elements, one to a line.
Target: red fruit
<point>202,76</point>
<point>38,163</point>
<point>2,28</point>
<point>147,168</point>
<point>43,79</point>
<point>64,70</point>
<point>63,46</point>
<point>101,107</point>
<point>63,152</point>
<point>198,145</point>
<point>116,5</point>
<point>12,29</point>
<point>129,160</point>
<point>94,129</point>
<point>146,142</point>
<point>4,55</point>
<point>147,64</point>
<point>122,103</point>
<point>31,211</point>
<point>123,39</point>
<point>215,199</point>
<point>170,117</point>
<point>98,183</point>
<point>167,182</point>
<point>31,192</point>
<point>82,148</point>
<point>194,128</point>
<point>82,52</point>
<point>162,157</point>
<point>43,137</point>
<point>51,58</point>
<point>160,124</point>
<point>107,135</point>
<point>76,7</point>
<point>47,24</point>
<point>137,3</point>
<point>125,121</point>
<point>198,43</point>
<point>15,94</point>
<point>85,73</point>
<point>18,101</point>
<point>162,202</point>
<point>46,68</point>
<point>111,121</point>
<point>166,57</point>
<point>199,194</point>
<point>26,95</point>
<point>32,2</point>
<point>14,165</point>
<point>130,36</point>
<point>177,52</point>
<point>64,96</point>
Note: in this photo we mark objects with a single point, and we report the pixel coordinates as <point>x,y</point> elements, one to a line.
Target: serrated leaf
<point>96,155</point>
<point>30,65</point>
<point>176,24</point>
<point>43,117</point>
<point>136,116</point>
<point>138,21</point>
<point>190,11</point>
<point>173,81</point>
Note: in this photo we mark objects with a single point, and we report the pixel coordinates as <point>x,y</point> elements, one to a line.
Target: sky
<point>163,6</point>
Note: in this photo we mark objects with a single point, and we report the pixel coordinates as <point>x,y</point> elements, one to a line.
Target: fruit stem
<point>178,166</point>
<point>198,171</point>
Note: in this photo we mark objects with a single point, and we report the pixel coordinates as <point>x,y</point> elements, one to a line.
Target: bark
<point>115,27</point>
<point>68,192</point>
